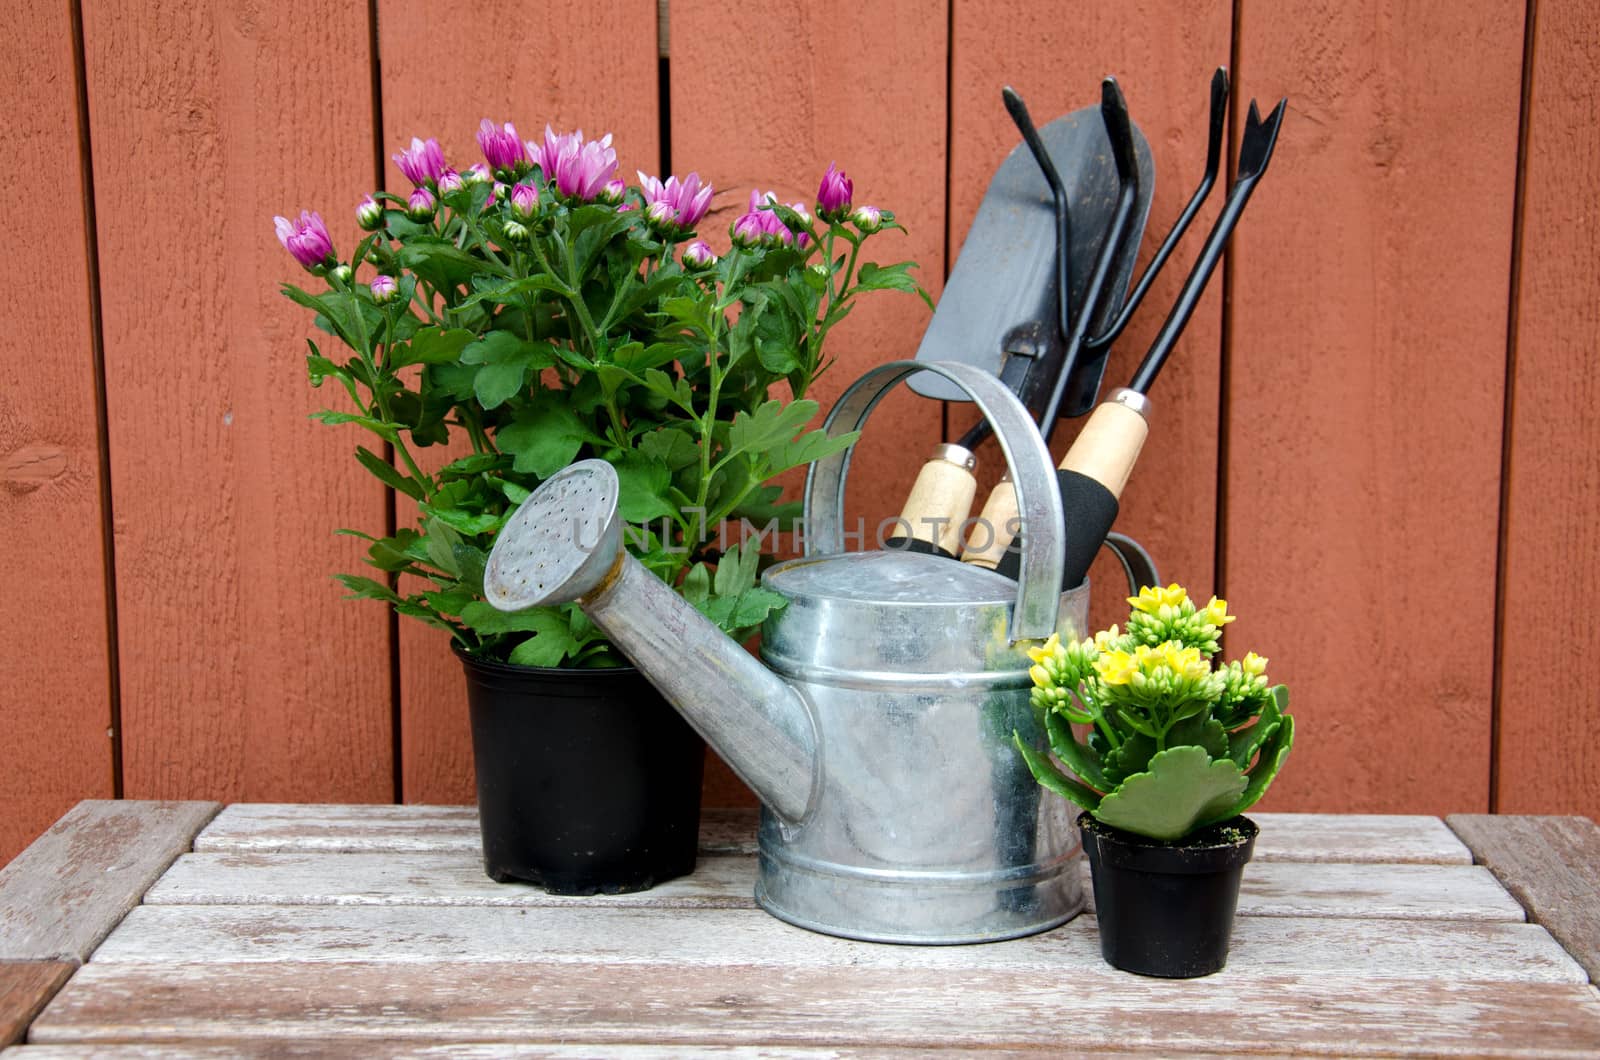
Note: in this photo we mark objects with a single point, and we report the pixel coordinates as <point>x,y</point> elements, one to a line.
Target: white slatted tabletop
<point>355,931</point>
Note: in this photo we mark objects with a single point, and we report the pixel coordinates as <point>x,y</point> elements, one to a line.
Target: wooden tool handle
<point>939,503</point>
<point>1108,446</point>
<point>995,528</point>
<point>1104,452</point>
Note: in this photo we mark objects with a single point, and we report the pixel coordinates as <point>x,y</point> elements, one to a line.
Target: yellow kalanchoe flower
<point>1041,677</point>
<point>1046,650</point>
<point>1151,599</point>
<point>1103,639</point>
<point>1184,662</point>
<point>1216,613</point>
<point>1253,664</point>
<point>1116,667</point>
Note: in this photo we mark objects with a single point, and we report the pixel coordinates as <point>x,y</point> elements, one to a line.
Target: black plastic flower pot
<point>588,781</point>
<point>1166,909</point>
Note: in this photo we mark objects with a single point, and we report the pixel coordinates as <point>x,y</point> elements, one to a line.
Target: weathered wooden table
<point>170,929</point>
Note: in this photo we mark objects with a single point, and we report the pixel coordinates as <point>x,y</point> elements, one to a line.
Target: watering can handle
<point>1136,562</point>
<point>1032,474</point>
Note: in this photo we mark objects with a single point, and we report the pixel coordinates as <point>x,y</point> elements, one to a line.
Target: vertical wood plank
<point>56,706</point>
<point>571,65</point>
<point>1549,761</point>
<point>1055,57</point>
<point>860,85</point>
<point>1369,293</point>
<point>244,675</point>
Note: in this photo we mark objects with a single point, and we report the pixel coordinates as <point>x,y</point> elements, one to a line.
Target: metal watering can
<point>877,726</point>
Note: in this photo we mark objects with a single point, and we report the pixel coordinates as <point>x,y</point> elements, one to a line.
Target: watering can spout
<point>565,544</point>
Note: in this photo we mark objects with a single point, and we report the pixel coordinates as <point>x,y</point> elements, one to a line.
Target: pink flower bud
<point>306,238</point>
<point>516,232</point>
<point>613,192</point>
<point>369,214</point>
<point>502,148</point>
<point>421,206</point>
<point>384,289</point>
<point>698,255</point>
<point>524,201</point>
<point>867,218</point>
<point>478,173</point>
<point>661,216</point>
<point>686,203</point>
<point>340,272</point>
<point>833,195</point>
<point>450,182</point>
<point>422,163</point>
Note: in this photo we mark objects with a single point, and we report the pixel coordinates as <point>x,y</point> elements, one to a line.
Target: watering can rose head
<point>1175,741</point>
<point>532,309</point>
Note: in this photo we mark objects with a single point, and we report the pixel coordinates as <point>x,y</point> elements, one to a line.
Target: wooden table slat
<point>1463,892</point>
<point>713,938</point>
<point>913,1009</point>
<point>1552,866</point>
<point>66,891</point>
<point>288,828</point>
<point>365,1049</point>
<point>25,986</point>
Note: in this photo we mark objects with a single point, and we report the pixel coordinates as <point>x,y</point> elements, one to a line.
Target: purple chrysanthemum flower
<point>687,201</point>
<point>421,206</point>
<point>524,200</point>
<point>384,289</point>
<point>369,214</point>
<point>698,255</point>
<point>867,218</point>
<point>306,237</point>
<point>833,195</point>
<point>450,182</point>
<point>502,148</point>
<point>579,169</point>
<point>422,163</point>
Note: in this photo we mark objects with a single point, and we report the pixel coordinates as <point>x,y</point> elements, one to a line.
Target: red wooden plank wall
<point>1377,438</point>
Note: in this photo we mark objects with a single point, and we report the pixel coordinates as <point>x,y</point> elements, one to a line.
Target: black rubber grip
<point>1091,512</point>
<point>915,544</point>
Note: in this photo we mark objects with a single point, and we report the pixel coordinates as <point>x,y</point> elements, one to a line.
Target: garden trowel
<point>1073,196</point>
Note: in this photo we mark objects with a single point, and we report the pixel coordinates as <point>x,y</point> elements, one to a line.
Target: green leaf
<point>813,445</point>
<point>1130,757</point>
<point>388,474</point>
<point>366,589</point>
<point>440,542</point>
<point>875,277</point>
<point>1243,744</point>
<point>440,263</point>
<point>513,290</point>
<point>470,562</point>
<point>1274,752</point>
<point>638,358</point>
<point>1183,788</point>
<point>752,609</point>
<point>1202,732</point>
<point>1074,755</point>
<point>771,424</point>
<point>378,427</point>
<point>736,570</point>
<point>643,481</point>
<point>1046,773</point>
<point>498,383</point>
<point>338,308</point>
<point>431,345</point>
<point>674,448</point>
<point>696,587</point>
<point>470,523</point>
<point>389,553</point>
<point>485,619</point>
<point>544,438</point>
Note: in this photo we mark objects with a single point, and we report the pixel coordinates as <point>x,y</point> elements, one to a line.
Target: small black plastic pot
<point>588,781</point>
<point>1166,909</point>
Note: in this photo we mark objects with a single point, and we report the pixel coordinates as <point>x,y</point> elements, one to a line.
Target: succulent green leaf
<point>1046,773</point>
<point>1183,788</point>
<point>1203,732</point>
<point>1130,757</point>
<point>1274,752</point>
<point>1243,744</point>
<point>1074,755</point>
